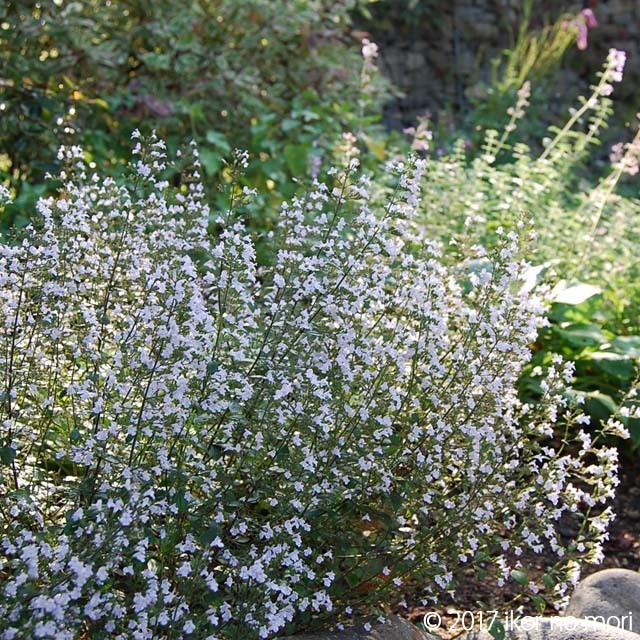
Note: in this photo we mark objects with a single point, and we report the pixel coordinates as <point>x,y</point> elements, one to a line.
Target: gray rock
<point>557,628</point>
<point>394,629</point>
<point>607,596</point>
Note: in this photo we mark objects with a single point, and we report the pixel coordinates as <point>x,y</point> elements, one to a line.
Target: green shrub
<point>194,446</point>
<point>279,78</point>
<point>582,330</point>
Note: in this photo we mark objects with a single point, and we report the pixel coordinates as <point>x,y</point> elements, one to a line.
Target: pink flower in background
<point>421,134</point>
<point>589,18</point>
<point>582,36</point>
<point>585,20</point>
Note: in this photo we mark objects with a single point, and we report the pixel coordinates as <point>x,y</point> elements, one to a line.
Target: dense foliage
<point>279,78</point>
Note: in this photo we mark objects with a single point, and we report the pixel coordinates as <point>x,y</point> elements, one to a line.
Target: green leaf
<point>218,140</point>
<point>288,125</point>
<point>538,602</point>
<point>628,345</point>
<point>210,534</point>
<point>520,577</point>
<point>614,364</point>
<point>295,156</point>
<point>582,335</point>
<point>157,61</point>
<point>216,451</point>
<point>283,454</point>
<point>496,629</point>
<point>599,405</point>
<point>180,501</point>
<point>309,116</point>
<point>394,500</point>
<point>20,222</point>
<point>210,160</point>
<point>100,102</point>
<point>7,455</point>
<point>548,581</point>
<point>354,578</point>
<point>633,425</point>
<point>565,293</point>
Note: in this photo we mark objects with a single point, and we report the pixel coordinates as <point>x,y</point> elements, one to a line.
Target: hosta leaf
<point>614,364</point>
<point>582,335</point>
<point>573,294</point>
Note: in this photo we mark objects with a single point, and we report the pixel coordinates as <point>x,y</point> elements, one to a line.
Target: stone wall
<point>437,51</point>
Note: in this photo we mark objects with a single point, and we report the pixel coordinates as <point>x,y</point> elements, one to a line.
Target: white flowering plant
<point>193,446</point>
<point>585,212</point>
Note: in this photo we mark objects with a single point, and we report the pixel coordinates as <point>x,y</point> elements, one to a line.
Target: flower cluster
<point>194,446</point>
<point>369,50</point>
<point>613,71</point>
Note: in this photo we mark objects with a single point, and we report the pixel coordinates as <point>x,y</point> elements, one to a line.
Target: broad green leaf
<point>539,603</point>
<point>599,405</point>
<point>218,140</point>
<point>309,116</point>
<point>296,158</point>
<point>582,335</point>
<point>210,534</point>
<point>216,451</point>
<point>548,581</point>
<point>394,499</point>
<point>157,61</point>
<point>614,364</point>
<point>633,425</point>
<point>283,454</point>
<point>288,125</point>
<point>628,345</point>
<point>210,160</point>
<point>574,293</point>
